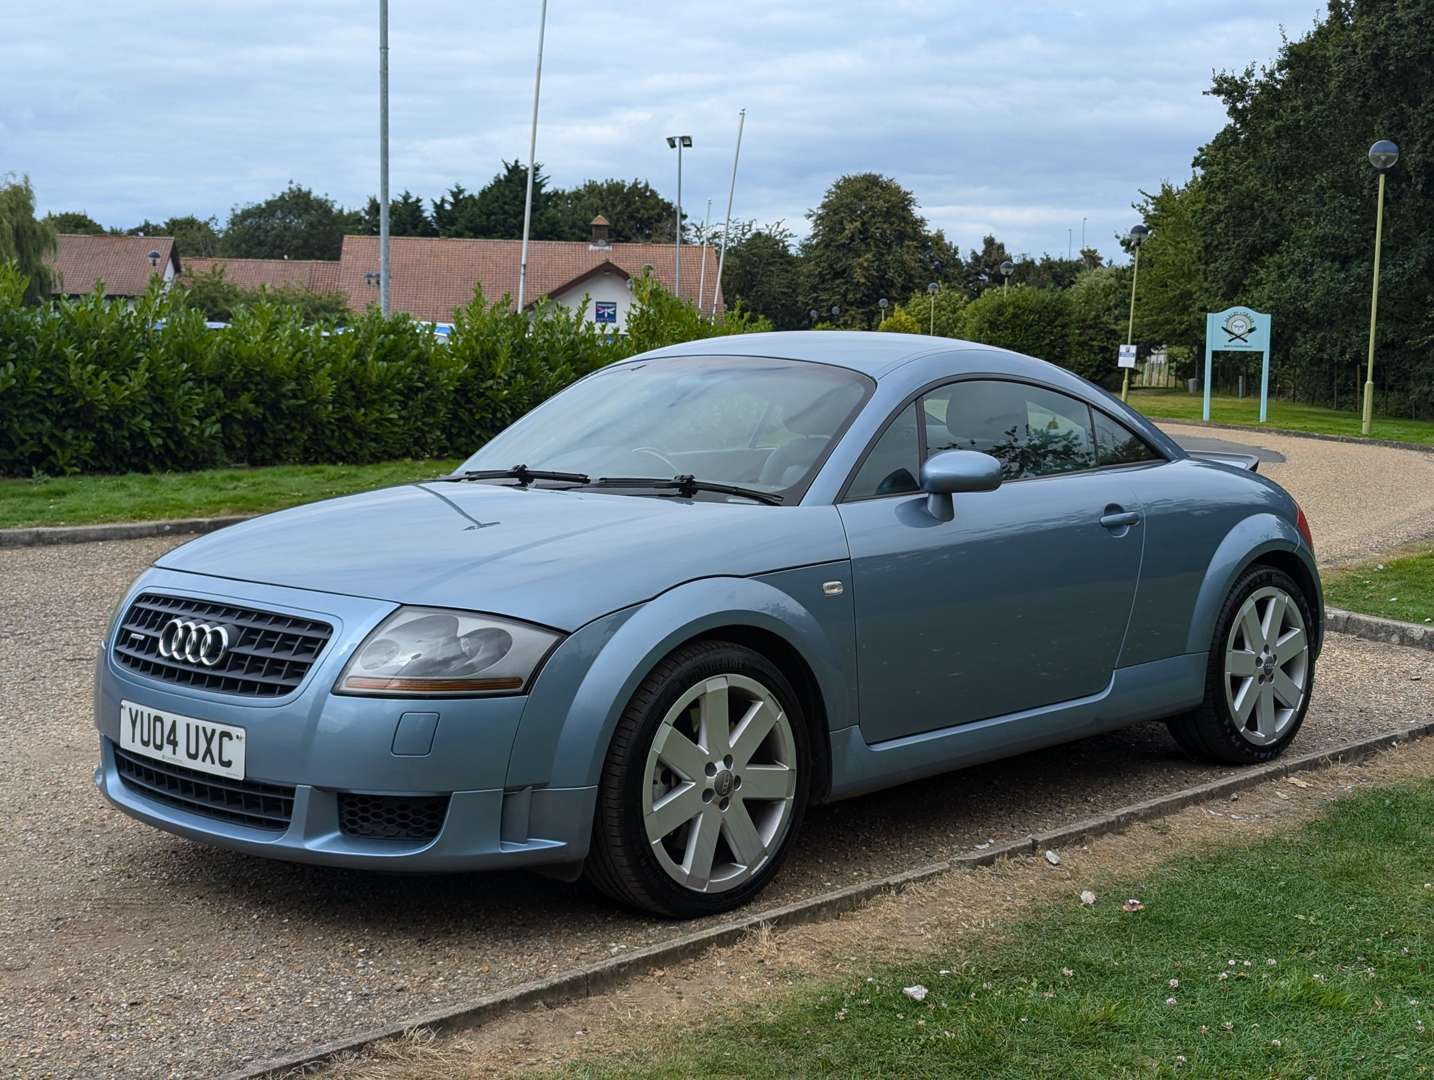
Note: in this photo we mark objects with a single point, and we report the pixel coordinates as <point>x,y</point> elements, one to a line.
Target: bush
<point>1036,322</point>
<point>90,385</point>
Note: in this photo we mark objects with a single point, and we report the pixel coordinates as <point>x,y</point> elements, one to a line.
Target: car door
<point>1022,599</point>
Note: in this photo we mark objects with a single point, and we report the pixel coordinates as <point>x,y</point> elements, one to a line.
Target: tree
<point>867,241</point>
<point>294,224</point>
<point>74,223</point>
<point>194,237</point>
<point>25,241</point>
<point>406,217</point>
<point>1098,311</point>
<point>1036,322</point>
<point>636,213</point>
<point>221,300</point>
<point>1287,219</point>
<point>763,274</point>
<point>943,315</point>
<point>496,211</point>
<point>1170,309</point>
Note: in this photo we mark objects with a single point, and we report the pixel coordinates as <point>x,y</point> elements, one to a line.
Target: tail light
<point>1303,525</point>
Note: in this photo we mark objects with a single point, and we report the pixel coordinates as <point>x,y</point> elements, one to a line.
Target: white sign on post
<point>1127,356</point>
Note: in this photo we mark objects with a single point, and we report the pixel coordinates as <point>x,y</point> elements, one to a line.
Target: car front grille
<point>392,817</point>
<point>267,656</point>
<point>246,802</point>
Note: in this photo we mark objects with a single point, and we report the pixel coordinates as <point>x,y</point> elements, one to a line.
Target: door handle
<point>1116,518</point>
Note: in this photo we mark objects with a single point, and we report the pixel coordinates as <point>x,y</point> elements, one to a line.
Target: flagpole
<point>727,224</point>
<point>532,155</point>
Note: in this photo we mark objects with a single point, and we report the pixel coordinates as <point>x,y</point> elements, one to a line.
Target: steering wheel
<point>652,451</point>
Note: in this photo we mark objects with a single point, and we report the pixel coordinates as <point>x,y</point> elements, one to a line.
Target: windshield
<point>750,421</point>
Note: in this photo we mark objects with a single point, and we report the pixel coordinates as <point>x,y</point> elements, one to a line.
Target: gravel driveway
<point>126,950</point>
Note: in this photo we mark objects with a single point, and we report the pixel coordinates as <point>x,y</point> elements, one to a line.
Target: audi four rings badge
<point>199,643</point>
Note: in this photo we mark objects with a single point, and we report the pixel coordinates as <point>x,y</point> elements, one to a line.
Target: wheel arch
<point>564,736</point>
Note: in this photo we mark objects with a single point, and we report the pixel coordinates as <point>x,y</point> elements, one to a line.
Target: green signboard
<point>1239,329</point>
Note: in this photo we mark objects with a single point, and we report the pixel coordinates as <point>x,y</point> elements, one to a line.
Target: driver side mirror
<point>956,472</point>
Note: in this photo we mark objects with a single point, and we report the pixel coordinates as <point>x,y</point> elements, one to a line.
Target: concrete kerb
<point>1260,429</point>
<point>125,530</point>
<point>1373,628</point>
<point>585,981</point>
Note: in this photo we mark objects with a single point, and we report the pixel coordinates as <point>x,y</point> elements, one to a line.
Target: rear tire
<point>1260,673</point>
<point>705,785</point>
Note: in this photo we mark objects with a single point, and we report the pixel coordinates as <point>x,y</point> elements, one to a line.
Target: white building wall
<point>605,287</point>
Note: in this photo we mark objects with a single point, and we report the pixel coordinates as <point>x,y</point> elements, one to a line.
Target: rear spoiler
<point>1248,462</point>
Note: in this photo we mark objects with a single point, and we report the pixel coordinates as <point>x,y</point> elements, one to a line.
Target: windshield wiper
<point>686,486</point>
<point>520,473</point>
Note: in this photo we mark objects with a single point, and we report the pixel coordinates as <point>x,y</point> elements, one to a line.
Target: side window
<point>1116,444</point>
<point>892,466</point>
<point>1030,430</point>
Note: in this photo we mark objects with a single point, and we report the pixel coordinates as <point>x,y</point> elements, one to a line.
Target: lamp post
<point>1007,268</point>
<point>931,291</point>
<point>678,143</point>
<point>532,154</point>
<point>1382,155</point>
<point>383,222</point>
<point>881,317</point>
<point>1136,236</point>
<point>812,315</point>
<point>153,258</point>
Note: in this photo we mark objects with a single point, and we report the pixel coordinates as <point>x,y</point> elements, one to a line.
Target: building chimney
<point>599,226</point>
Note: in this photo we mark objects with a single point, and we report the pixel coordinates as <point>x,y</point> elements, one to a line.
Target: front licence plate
<point>182,740</point>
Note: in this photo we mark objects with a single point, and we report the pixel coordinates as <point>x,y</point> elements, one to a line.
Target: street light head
<point>882,303</point>
<point>674,140</point>
<point>1137,235</point>
<point>812,314</point>
<point>1383,155</point>
<point>835,311</point>
<point>1008,268</point>
<point>933,288</point>
<point>153,258</point>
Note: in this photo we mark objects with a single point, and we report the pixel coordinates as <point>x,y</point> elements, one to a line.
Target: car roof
<point>870,352</point>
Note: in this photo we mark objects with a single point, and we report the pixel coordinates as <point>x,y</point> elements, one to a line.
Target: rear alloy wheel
<point>705,784</point>
<point>1261,673</point>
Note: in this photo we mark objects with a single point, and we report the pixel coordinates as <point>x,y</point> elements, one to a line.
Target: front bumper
<point>322,745</point>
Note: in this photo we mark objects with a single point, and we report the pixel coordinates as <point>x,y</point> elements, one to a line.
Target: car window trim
<point>937,384</point>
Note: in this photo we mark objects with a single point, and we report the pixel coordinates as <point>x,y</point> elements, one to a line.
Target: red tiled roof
<point>433,276</point>
<point>121,262</point>
<point>314,274</point>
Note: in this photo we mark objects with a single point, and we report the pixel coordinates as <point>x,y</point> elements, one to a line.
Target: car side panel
<point>1205,522</point>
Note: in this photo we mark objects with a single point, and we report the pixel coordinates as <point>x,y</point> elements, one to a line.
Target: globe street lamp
<point>1382,155</point>
<point>1136,236</point>
<point>931,291</point>
<point>812,314</point>
<point>678,143</point>
<point>835,312</point>
<point>1007,269</point>
<point>881,318</point>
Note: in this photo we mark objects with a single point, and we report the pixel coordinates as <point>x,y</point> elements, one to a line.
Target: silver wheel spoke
<point>1290,646</point>
<point>1239,663</point>
<point>752,731</point>
<point>1245,700</point>
<point>768,782</point>
<point>742,835</point>
<point>716,719</point>
<point>702,847</point>
<point>1254,631</point>
<point>674,810</point>
<point>677,751</point>
<point>1286,689</point>
<point>1274,618</point>
<point>1265,710</point>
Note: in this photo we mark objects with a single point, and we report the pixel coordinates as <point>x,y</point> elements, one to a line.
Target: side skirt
<point>1141,692</point>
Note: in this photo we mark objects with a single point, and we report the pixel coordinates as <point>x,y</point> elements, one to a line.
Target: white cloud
<point>1020,118</point>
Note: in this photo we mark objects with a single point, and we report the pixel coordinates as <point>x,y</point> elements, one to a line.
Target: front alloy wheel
<point>704,786</point>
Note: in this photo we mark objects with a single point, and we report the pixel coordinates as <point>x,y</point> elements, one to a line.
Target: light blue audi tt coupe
<point>643,629</point>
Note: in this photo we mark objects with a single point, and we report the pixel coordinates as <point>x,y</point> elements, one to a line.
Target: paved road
<point>126,950</point>
<point>1361,501</point>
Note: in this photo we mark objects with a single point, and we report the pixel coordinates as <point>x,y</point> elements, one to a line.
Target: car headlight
<point>434,652</point>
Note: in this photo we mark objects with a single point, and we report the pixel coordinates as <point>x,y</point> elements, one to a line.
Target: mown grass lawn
<point>1308,955</point>
<point>88,500</point>
<point>1400,588</point>
<point>1178,405</point>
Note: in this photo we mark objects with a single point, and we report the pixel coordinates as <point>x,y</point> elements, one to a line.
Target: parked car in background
<point>646,627</point>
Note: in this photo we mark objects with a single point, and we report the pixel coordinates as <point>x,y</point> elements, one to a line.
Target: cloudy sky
<point>1018,118</point>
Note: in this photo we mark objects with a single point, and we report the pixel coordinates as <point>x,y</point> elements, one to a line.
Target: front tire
<point>1260,673</point>
<point>705,785</point>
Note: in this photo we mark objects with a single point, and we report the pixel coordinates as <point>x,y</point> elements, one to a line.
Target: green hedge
<point>91,385</point>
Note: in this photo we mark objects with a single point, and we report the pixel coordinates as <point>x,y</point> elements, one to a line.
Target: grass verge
<point>1178,405</point>
<point>92,500</point>
<point>1397,588</point>
<point>1304,955</point>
